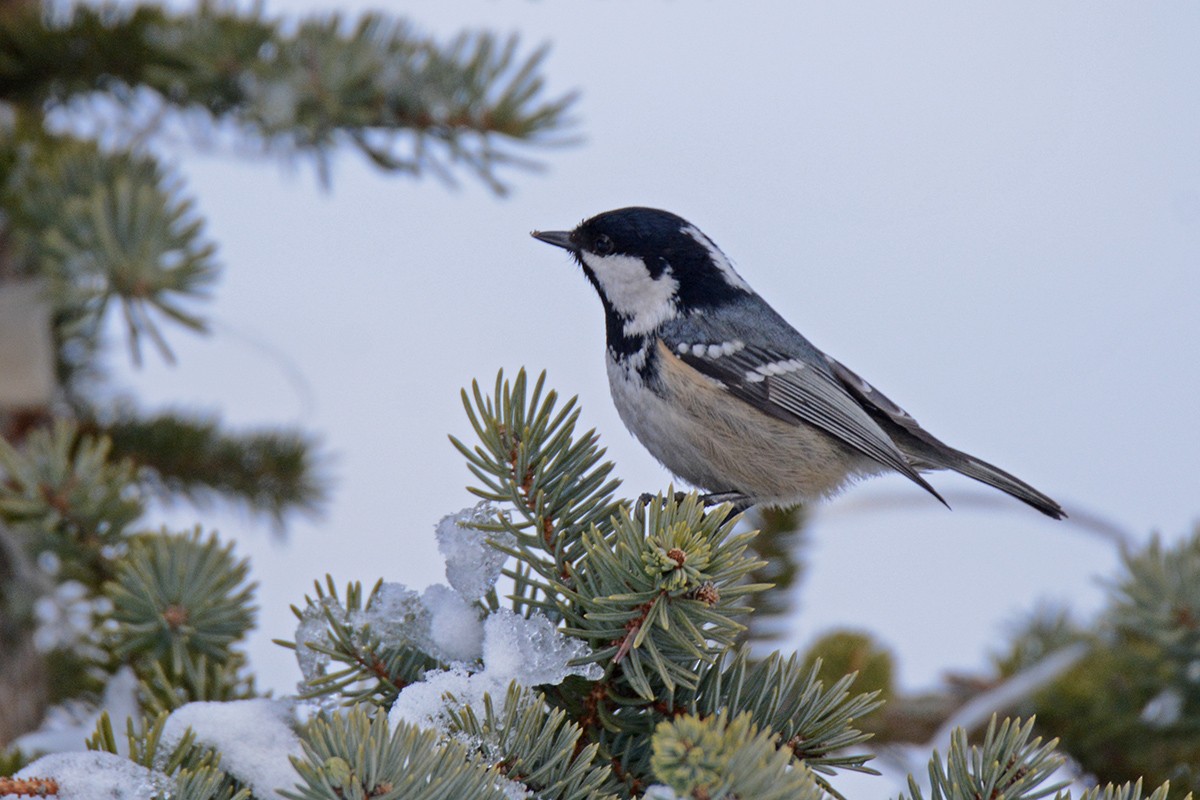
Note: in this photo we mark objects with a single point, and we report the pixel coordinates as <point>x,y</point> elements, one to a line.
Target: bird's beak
<point>557,238</point>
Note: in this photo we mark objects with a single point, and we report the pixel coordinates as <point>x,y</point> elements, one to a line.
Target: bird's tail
<point>992,475</point>
<point>925,451</point>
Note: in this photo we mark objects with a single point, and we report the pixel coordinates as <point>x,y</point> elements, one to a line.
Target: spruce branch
<point>196,768</point>
<point>725,757</point>
<point>67,495</point>
<point>529,742</point>
<point>407,102</point>
<point>654,588</point>
<point>784,696</point>
<point>641,572</point>
<point>94,48</point>
<point>1006,764</point>
<point>145,746</point>
<point>1129,707</point>
<point>657,597</point>
<point>355,755</point>
<point>1159,598</point>
<point>274,472</point>
<point>333,631</point>
<point>206,783</point>
<point>201,679</point>
<point>530,458</point>
<point>175,597</point>
<point>1126,791</point>
<point>109,228</point>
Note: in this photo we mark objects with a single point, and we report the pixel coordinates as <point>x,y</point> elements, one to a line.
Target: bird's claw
<point>646,498</point>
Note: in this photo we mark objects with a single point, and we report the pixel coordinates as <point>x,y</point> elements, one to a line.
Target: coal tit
<point>729,396</point>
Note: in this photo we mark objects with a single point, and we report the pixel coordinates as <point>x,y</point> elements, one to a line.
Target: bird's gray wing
<point>879,405</point>
<point>780,373</point>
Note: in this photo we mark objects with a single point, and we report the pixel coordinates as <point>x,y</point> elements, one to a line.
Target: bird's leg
<point>739,501</point>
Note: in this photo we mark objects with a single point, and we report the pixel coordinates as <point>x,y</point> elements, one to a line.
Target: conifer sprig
<point>196,768</point>
<point>659,595</point>
<point>109,228</point>
<point>407,102</point>
<point>1008,763</point>
<point>179,596</point>
<point>333,631</point>
<point>145,744</point>
<point>724,756</point>
<point>202,679</point>
<point>530,458</point>
<point>66,494</point>
<point>815,722</point>
<point>1148,645</point>
<point>1126,791</point>
<point>353,755</point>
<point>536,745</point>
<point>271,471</point>
<point>1159,598</point>
<point>207,783</point>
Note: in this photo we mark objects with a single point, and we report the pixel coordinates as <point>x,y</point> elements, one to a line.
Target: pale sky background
<point>990,212</point>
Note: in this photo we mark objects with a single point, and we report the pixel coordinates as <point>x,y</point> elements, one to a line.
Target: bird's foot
<point>739,501</point>
<point>646,498</point>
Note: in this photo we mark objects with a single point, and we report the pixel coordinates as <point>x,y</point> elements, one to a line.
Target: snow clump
<point>472,564</point>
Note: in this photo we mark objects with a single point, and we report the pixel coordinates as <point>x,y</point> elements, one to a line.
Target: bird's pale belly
<point>722,444</point>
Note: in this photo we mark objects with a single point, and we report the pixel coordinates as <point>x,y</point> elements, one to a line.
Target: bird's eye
<point>603,245</point>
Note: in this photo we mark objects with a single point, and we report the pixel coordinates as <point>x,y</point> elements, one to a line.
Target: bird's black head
<point>649,266</point>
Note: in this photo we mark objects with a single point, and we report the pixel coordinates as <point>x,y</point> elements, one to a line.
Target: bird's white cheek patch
<point>643,301</point>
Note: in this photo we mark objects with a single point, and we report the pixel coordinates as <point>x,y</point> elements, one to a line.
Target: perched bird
<point>729,396</point>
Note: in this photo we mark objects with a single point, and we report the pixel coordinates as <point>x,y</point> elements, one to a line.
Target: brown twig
<point>625,644</point>
<point>29,787</point>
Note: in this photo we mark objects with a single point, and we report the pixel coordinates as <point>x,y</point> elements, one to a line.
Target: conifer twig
<point>29,787</point>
